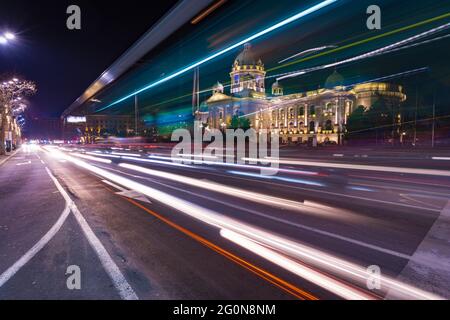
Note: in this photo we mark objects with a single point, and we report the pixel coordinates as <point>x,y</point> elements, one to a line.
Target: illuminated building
<point>90,127</point>
<point>318,116</point>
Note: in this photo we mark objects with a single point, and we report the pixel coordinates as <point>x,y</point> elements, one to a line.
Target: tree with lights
<point>11,105</point>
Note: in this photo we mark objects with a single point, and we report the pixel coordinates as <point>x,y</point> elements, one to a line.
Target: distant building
<point>90,127</point>
<point>317,116</point>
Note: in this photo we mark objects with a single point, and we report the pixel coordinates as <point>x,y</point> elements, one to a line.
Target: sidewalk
<point>4,158</point>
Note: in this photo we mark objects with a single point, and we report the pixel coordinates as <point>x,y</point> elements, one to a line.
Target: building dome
<point>334,80</point>
<point>247,57</point>
<point>277,89</point>
<point>276,85</point>
<point>218,87</point>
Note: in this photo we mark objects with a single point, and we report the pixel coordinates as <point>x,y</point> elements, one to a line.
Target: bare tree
<point>11,94</point>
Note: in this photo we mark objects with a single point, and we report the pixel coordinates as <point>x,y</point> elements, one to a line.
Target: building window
<point>312,110</point>
<point>312,126</point>
<point>301,111</point>
<point>291,113</point>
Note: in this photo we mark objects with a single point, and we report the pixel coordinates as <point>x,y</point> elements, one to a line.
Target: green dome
<point>334,80</point>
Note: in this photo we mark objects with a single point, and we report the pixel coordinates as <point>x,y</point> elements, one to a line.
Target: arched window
<point>312,109</point>
<point>291,113</point>
<point>301,111</point>
<point>312,126</point>
<point>328,125</point>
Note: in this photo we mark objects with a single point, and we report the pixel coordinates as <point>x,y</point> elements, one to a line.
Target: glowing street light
<point>6,37</point>
<point>9,36</point>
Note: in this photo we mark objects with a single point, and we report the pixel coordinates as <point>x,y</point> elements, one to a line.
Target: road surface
<point>139,226</point>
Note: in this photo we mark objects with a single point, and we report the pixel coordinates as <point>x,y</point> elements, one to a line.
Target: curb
<point>9,156</point>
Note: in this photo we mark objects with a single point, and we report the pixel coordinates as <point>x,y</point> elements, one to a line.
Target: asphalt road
<point>205,231</point>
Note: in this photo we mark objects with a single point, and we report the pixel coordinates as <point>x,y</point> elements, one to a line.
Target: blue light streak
<point>299,181</point>
<point>223,51</point>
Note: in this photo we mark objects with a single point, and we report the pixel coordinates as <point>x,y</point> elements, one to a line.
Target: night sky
<point>62,62</point>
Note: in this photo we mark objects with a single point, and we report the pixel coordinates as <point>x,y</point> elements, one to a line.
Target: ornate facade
<point>318,116</point>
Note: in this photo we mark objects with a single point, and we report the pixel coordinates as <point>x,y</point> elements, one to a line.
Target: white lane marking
<point>23,163</point>
<point>128,193</point>
<point>114,185</point>
<point>441,158</point>
<point>338,155</point>
<point>118,279</point>
<point>42,161</point>
<point>285,221</point>
<point>126,292</point>
<point>11,271</point>
<point>132,194</point>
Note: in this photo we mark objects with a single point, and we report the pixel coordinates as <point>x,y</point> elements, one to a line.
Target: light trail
<point>432,172</point>
<point>107,155</point>
<point>305,52</point>
<point>260,176</point>
<point>336,286</point>
<point>241,166</point>
<point>126,154</point>
<point>271,278</point>
<point>287,247</point>
<point>384,50</point>
<point>157,162</point>
<point>235,192</point>
<point>227,49</point>
<point>363,41</point>
<point>92,158</point>
<point>418,24</point>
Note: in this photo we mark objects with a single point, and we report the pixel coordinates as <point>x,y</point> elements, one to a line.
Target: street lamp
<point>9,36</point>
<point>6,37</point>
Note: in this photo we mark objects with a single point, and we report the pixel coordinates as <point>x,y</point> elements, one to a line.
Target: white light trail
<point>305,207</point>
<point>305,52</point>
<point>92,158</point>
<point>370,54</point>
<point>287,247</point>
<point>106,155</point>
<point>242,166</point>
<point>126,154</point>
<point>157,162</point>
<point>338,287</point>
<point>432,172</point>
<point>223,51</point>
